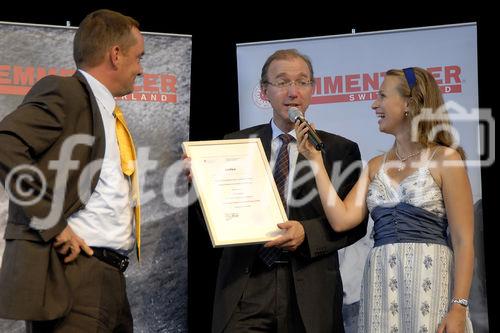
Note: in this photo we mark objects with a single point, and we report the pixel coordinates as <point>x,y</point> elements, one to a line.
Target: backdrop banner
<point>157,113</point>
<point>349,70</point>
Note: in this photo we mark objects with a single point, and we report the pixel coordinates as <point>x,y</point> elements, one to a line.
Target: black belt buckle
<point>112,258</point>
<point>284,258</point>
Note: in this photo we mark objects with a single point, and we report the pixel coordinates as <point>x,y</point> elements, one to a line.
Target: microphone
<point>294,114</point>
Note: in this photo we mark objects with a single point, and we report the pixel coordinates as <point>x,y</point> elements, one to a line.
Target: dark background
<point>216,30</point>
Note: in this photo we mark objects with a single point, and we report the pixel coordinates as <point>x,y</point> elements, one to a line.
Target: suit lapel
<point>302,168</point>
<point>265,134</point>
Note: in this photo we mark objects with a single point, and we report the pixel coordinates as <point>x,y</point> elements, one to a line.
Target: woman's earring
<point>406,113</point>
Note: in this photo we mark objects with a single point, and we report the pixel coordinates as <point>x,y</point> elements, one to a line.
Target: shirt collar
<point>277,131</point>
<point>101,93</point>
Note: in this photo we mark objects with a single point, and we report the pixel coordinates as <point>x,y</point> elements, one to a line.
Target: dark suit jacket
<point>315,266</point>
<point>32,281</point>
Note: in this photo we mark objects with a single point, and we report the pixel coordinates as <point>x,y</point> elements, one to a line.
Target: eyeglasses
<point>284,84</point>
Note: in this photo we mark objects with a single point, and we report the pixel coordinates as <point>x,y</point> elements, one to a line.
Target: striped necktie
<point>129,167</point>
<point>281,170</point>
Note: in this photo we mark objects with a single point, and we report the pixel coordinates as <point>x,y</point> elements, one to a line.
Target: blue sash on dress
<point>405,223</point>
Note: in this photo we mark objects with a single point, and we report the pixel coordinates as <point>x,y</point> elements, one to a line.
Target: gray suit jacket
<point>33,285</point>
<point>315,266</point>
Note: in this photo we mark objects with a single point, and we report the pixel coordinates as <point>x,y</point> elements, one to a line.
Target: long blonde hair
<point>426,95</point>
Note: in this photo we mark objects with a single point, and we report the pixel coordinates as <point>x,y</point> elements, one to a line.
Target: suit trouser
<point>268,304</point>
<point>100,301</point>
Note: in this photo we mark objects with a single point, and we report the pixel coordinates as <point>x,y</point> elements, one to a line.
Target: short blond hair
<point>99,31</point>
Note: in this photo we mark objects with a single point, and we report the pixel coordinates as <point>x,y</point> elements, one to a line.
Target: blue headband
<point>410,77</point>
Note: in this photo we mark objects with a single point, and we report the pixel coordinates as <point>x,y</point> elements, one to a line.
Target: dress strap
<point>434,152</point>
<point>385,158</point>
<point>382,166</point>
<point>429,160</point>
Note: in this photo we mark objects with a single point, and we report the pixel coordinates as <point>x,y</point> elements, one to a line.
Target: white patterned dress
<point>407,282</point>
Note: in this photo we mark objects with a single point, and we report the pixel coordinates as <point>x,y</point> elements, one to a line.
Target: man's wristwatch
<point>463,302</point>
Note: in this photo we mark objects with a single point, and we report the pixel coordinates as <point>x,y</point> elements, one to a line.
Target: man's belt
<point>111,257</point>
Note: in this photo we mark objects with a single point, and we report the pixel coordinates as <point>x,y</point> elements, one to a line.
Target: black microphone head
<point>294,113</point>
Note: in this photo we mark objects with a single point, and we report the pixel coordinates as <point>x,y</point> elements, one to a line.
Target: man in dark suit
<point>70,223</point>
<point>298,287</point>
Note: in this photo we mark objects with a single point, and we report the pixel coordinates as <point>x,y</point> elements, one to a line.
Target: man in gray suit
<point>70,223</point>
<point>296,287</point>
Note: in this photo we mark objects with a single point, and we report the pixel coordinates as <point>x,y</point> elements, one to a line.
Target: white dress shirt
<point>106,220</point>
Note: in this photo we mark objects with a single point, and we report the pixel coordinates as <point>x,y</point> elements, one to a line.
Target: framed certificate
<point>236,189</point>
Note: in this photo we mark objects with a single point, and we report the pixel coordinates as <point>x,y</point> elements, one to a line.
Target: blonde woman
<point>418,275</point>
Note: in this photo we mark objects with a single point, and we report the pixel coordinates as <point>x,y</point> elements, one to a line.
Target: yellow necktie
<point>128,162</point>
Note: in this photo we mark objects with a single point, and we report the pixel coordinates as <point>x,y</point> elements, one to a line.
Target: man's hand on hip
<point>70,245</point>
